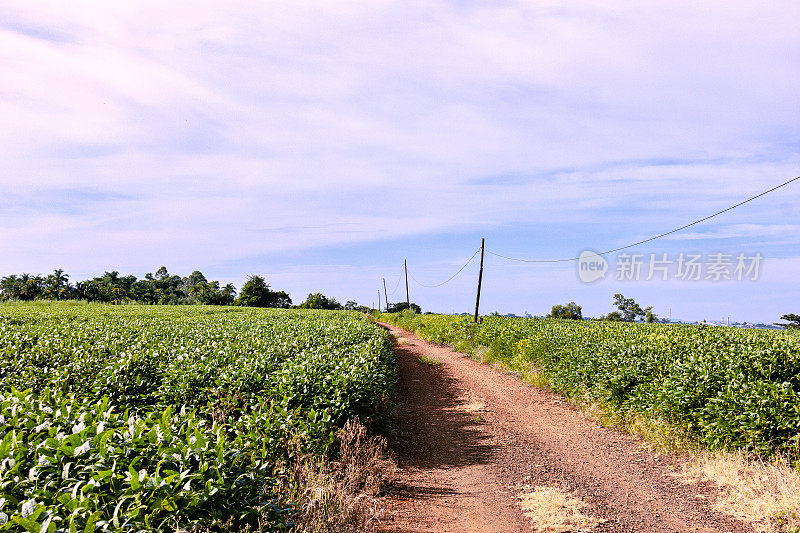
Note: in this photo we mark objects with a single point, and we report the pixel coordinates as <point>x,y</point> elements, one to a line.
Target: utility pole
<point>385,295</point>
<point>408,301</point>
<point>480,279</point>
<point>379,300</point>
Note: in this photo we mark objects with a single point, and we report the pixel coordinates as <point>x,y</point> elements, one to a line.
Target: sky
<point>321,144</point>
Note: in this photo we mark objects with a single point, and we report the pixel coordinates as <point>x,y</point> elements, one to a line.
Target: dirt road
<point>471,440</point>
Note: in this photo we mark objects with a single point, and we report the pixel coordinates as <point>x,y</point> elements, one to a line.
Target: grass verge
<point>341,495</point>
<point>764,493</point>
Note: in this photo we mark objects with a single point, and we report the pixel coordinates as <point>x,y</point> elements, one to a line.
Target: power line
<point>399,277</point>
<point>450,278</point>
<point>651,238</point>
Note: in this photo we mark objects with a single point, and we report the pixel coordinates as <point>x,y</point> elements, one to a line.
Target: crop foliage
<point>140,418</point>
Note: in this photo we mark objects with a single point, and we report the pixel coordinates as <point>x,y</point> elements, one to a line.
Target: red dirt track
<point>468,438</point>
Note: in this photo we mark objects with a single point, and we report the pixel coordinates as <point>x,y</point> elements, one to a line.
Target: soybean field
<point>160,418</point>
<point>725,388</point>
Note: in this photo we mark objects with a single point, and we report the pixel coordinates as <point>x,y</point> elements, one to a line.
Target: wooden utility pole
<point>480,279</point>
<point>385,295</point>
<point>405,265</point>
<point>379,300</point>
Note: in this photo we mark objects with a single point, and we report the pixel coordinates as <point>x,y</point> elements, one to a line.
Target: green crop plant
<point>140,418</point>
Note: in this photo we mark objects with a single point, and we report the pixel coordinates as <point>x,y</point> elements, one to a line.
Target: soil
<point>469,439</point>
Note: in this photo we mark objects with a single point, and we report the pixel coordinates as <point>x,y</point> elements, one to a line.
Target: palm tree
<point>30,287</point>
<point>57,285</point>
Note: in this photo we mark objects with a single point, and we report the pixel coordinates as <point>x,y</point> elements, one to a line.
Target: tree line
<point>628,311</point>
<point>161,288</point>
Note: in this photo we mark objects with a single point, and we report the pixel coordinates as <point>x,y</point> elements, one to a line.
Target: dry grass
<point>432,361</point>
<point>767,494</point>
<point>342,495</point>
<point>479,353</point>
<point>553,511</point>
<point>534,377</point>
<point>764,493</point>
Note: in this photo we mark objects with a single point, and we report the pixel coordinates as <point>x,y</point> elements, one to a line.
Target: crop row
<point>157,418</point>
<point>728,388</point>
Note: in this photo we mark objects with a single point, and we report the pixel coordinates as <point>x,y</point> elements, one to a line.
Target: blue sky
<point>319,144</point>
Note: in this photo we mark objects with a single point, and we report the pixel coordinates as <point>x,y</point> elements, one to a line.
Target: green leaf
<point>168,504</point>
<point>115,516</point>
<point>93,518</point>
<point>31,526</point>
<point>65,471</point>
<point>5,445</point>
<point>133,478</point>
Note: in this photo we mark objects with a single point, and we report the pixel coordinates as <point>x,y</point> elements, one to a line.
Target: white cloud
<point>738,231</point>
<point>252,128</point>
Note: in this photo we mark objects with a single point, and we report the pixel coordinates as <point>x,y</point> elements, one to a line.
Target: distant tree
<point>628,307</point>
<point>196,277</point>
<point>229,292</point>
<point>7,287</point>
<point>144,290</point>
<point>613,316</point>
<point>170,290</point>
<point>630,311</point>
<point>794,321</point>
<point>32,287</point>
<point>402,306</point>
<point>56,286</point>
<point>256,293</point>
<point>160,288</point>
<point>317,300</point>
<point>282,300</point>
<point>196,288</point>
<point>116,289</point>
<point>209,292</point>
<point>571,311</point>
<point>212,294</point>
<point>25,287</point>
<point>352,305</point>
